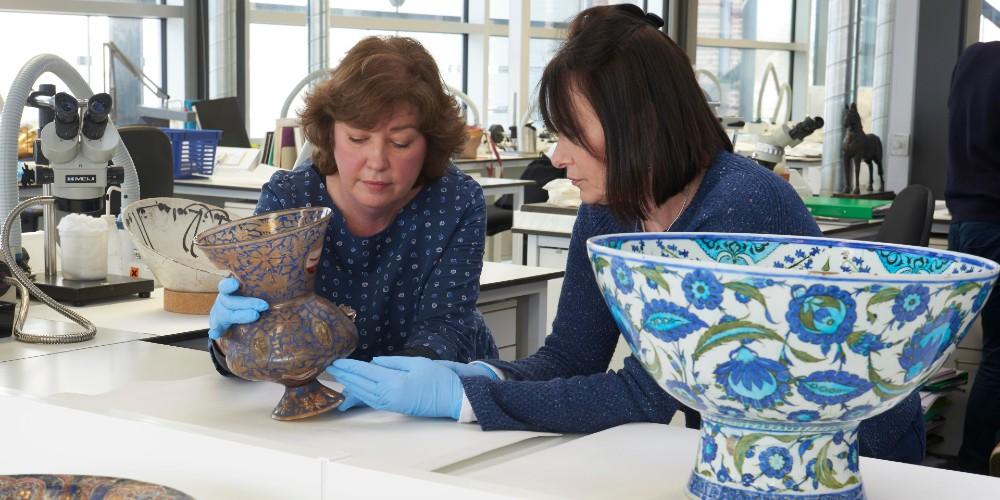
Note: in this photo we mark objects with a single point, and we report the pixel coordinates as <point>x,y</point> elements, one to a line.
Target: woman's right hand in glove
<point>229,309</point>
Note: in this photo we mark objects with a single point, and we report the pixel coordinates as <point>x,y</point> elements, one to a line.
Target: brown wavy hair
<point>659,132</point>
<point>376,75</point>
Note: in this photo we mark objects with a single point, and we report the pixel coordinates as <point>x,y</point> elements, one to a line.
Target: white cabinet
<point>501,318</point>
<point>554,258</point>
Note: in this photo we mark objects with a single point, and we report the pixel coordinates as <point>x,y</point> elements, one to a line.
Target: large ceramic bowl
<point>163,230</point>
<point>785,343</point>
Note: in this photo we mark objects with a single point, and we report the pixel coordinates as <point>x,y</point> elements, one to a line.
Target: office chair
<point>500,215</point>
<point>153,159</point>
<point>908,221</point>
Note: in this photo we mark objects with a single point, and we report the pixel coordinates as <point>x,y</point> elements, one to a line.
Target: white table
<point>511,160</point>
<point>11,349</point>
<point>647,461</point>
<point>941,221</point>
<point>102,408</point>
<point>528,286</point>
<point>211,437</point>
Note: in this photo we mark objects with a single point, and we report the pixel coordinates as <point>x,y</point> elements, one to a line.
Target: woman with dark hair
<point>638,138</point>
<point>404,246</point>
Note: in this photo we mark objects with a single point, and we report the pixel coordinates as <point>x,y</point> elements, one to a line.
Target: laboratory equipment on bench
<point>79,153</point>
<point>770,149</point>
<point>77,148</point>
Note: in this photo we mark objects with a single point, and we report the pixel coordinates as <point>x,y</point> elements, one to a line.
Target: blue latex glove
<point>417,387</point>
<point>350,401</point>
<point>229,309</point>
<point>465,370</point>
<point>461,369</point>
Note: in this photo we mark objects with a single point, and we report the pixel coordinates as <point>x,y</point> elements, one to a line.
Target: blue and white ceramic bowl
<point>785,343</point>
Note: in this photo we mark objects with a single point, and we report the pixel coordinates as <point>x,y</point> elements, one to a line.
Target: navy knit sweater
<point>564,388</point>
<point>973,188</point>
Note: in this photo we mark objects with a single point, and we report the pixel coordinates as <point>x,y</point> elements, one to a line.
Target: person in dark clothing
<point>973,197</point>
<point>638,138</point>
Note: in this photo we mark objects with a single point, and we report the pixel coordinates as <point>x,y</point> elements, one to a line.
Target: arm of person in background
<point>447,324</point>
<point>424,388</point>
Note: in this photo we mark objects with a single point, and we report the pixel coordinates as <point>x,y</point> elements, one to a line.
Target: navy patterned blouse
<point>415,284</point>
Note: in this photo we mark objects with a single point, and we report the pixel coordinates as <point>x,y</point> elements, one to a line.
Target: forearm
<point>574,405</point>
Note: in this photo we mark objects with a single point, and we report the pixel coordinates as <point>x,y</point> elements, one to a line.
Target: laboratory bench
<point>161,414</point>
<point>125,405</point>
<point>512,299</point>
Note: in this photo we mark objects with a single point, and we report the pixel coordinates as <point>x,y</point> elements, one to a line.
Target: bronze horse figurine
<point>859,147</point>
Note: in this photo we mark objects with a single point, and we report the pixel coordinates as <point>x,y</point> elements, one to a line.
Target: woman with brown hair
<point>404,246</point>
<point>638,138</point>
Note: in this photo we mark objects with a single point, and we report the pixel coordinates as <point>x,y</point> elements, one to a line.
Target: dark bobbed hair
<point>659,132</point>
<point>377,74</point>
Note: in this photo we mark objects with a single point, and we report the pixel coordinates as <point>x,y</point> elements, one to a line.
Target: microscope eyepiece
<point>67,116</point>
<point>95,119</point>
<point>805,127</point>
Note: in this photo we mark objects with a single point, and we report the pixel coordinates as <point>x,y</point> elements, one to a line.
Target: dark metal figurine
<point>859,147</point>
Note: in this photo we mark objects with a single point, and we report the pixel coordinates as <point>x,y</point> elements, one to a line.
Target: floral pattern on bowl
<point>785,343</point>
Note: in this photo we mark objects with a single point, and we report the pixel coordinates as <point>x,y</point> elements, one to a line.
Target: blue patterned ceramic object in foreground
<point>274,256</point>
<point>785,343</point>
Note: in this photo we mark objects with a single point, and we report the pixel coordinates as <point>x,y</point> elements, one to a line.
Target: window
<point>446,49</point>
<point>989,21</point>
<point>279,61</point>
<point>499,84</point>
<point>437,10</point>
<point>741,74</point>
<point>558,13</point>
<point>738,41</point>
<point>540,52</point>
<point>770,20</point>
<point>81,43</point>
<point>868,25</point>
<point>500,11</point>
<point>279,5</point>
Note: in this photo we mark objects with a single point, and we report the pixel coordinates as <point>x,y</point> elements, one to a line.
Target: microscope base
<point>78,293</point>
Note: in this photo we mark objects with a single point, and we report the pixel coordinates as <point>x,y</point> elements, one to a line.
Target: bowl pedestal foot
<point>306,400</point>
<point>751,460</point>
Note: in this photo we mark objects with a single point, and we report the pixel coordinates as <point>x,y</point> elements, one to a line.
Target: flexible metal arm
<point>315,75</point>
<point>718,86</point>
<point>24,285</point>
<point>467,100</point>
<point>784,95</point>
<point>116,53</point>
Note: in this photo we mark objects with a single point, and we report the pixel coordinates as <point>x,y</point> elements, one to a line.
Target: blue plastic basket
<point>194,151</point>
